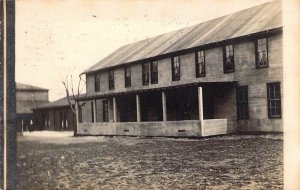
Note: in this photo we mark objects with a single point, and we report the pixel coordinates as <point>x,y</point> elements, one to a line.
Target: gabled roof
<point>27,87</point>
<point>250,21</point>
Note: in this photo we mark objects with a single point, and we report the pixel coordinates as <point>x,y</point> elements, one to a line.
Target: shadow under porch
<point>162,112</point>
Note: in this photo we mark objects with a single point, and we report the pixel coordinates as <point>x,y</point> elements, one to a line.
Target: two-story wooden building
<point>217,77</point>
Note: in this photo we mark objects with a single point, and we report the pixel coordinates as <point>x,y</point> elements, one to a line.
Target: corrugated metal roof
<point>20,86</point>
<point>253,20</point>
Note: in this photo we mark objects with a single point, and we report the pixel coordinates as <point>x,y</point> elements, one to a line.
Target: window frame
<point>97,82</point>
<point>92,109</point>
<point>197,64</point>
<point>175,77</point>
<point>242,103</point>
<point>145,72</point>
<point>105,116</point>
<point>154,74</point>
<point>275,99</point>
<point>258,66</point>
<point>127,77</point>
<point>111,80</point>
<point>225,69</point>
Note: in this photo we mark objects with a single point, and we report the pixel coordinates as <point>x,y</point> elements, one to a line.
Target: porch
<point>178,112</point>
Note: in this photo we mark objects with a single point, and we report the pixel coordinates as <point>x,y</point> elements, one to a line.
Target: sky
<point>60,38</point>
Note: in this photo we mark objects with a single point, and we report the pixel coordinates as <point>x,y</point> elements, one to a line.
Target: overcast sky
<point>61,37</point>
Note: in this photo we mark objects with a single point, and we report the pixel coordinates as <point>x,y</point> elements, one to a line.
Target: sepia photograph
<point>156,94</point>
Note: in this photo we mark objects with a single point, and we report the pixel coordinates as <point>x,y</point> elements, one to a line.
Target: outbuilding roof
<point>27,87</point>
<point>57,103</point>
<point>250,21</point>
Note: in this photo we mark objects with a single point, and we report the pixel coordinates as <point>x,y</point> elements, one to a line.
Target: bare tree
<point>70,92</point>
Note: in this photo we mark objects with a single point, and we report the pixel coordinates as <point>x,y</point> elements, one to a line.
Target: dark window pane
<point>105,111</point>
<point>242,102</point>
<point>200,64</point>
<point>97,82</point>
<point>145,71</point>
<point>176,68</point>
<point>127,76</point>
<point>262,52</point>
<point>154,73</point>
<point>274,100</point>
<point>228,59</point>
<point>111,82</point>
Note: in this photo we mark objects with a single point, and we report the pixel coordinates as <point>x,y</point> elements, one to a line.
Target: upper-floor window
<point>274,100</point>
<point>145,71</point>
<point>175,68</point>
<point>97,82</point>
<point>228,59</point>
<point>261,55</point>
<point>242,102</point>
<point>127,73</point>
<point>200,64</point>
<point>154,73</point>
<point>111,81</point>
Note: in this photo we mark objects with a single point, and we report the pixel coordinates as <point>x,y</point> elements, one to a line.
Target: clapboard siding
<point>257,79</point>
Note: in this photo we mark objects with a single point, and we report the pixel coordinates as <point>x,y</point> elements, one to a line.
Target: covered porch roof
<point>111,94</point>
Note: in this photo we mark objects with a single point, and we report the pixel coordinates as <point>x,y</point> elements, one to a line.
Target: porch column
<point>200,101</point>
<point>138,109</point>
<point>164,106</point>
<point>115,109</point>
<point>94,110</point>
<point>77,116</point>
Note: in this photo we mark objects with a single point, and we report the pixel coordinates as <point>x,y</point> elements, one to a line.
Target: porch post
<point>94,110</point>
<point>77,115</point>
<point>115,108</point>
<point>200,101</point>
<point>138,109</point>
<point>164,106</point>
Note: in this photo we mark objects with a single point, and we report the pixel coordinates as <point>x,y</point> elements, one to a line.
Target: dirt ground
<point>60,161</point>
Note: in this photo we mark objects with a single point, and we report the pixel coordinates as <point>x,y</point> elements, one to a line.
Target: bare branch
<point>66,85</point>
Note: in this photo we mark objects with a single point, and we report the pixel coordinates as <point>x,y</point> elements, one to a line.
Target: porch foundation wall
<point>191,128</point>
<point>215,127</point>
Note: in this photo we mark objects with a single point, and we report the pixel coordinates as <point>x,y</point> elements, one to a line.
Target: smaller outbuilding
<point>55,116</point>
<point>28,97</point>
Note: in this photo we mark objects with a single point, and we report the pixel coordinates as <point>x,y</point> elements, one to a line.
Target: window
<point>111,82</point>
<point>274,100</point>
<point>80,114</point>
<point>105,111</point>
<point>200,64</point>
<point>154,74</point>
<point>175,68</point>
<point>261,55</point>
<point>145,71</point>
<point>127,73</point>
<point>228,59</point>
<point>242,102</point>
<point>92,110</point>
<point>97,82</point>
